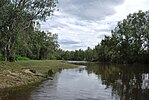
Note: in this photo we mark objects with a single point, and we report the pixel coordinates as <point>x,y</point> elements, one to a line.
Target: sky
<point>84,23</point>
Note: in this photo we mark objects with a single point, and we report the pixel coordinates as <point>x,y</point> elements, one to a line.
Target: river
<point>92,82</point>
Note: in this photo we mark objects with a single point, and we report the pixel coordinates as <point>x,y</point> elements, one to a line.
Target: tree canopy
<point>19,17</point>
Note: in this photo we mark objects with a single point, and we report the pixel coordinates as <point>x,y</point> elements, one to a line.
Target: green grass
<point>39,65</point>
<point>11,74</point>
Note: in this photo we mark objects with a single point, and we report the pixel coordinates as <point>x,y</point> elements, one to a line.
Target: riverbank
<point>23,73</point>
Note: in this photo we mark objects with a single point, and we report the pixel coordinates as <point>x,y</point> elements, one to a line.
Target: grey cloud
<point>81,20</point>
<point>68,42</point>
<point>89,9</point>
<point>74,47</point>
<point>56,24</point>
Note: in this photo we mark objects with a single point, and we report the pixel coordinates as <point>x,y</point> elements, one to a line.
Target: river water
<point>93,82</point>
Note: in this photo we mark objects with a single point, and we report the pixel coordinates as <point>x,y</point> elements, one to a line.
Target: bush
<point>1,57</point>
<point>19,57</point>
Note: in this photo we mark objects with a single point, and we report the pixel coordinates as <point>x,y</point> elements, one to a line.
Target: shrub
<point>1,57</point>
<point>19,57</point>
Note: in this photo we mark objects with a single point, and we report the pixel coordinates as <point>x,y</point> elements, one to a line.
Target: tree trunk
<point>5,54</point>
<point>8,54</point>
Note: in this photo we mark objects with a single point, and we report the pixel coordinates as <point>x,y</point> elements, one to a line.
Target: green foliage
<point>1,57</point>
<point>18,17</point>
<point>19,57</point>
<point>129,41</point>
<point>77,55</point>
<point>38,45</point>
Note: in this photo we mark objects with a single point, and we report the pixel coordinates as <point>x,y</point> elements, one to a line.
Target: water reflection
<point>93,82</point>
<point>127,82</point>
<point>73,84</point>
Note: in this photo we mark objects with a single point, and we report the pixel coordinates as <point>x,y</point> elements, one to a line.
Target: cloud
<point>68,42</point>
<point>71,44</point>
<point>129,6</point>
<point>84,32</point>
<point>82,23</point>
<point>89,9</point>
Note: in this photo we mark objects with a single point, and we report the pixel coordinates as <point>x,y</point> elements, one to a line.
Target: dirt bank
<point>23,73</point>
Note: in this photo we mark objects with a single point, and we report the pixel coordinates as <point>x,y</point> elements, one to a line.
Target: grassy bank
<point>21,73</point>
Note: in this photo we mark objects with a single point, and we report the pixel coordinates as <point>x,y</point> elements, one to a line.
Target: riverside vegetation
<point>21,39</point>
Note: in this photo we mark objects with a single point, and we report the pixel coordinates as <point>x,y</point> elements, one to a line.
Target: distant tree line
<point>129,43</point>
<point>77,55</point>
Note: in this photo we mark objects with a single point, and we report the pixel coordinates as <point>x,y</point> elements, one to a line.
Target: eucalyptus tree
<point>17,16</point>
<point>132,36</point>
<point>48,45</point>
<point>88,54</point>
<point>129,42</point>
<point>38,45</point>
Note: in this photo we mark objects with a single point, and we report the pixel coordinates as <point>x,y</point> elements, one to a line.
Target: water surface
<point>95,82</point>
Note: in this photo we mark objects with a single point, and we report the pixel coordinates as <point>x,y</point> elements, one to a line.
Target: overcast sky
<point>84,23</point>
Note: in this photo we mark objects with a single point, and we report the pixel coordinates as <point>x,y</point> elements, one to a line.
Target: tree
<point>132,36</point>
<point>89,54</point>
<point>129,42</point>
<point>18,17</point>
<point>48,46</point>
<point>38,45</point>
